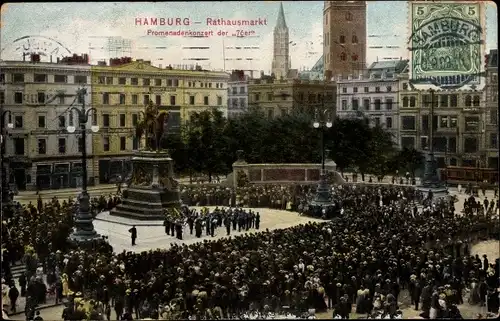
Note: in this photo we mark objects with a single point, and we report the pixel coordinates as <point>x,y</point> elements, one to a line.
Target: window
<point>62,121</point>
<point>157,82</point>
<point>493,140</point>
<point>408,142</point>
<point>452,144</point>
<point>425,123</point>
<point>354,39</point>
<point>476,101</point>
<point>122,120</point>
<point>443,121</point>
<point>105,120</point>
<point>471,123</point>
<point>219,101</point>
<point>377,104</point>
<point>344,90</point>
<point>40,78</point>
<point>443,100</point>
<point>134,81</point>
<point>176,83</point>
<point>205,100</point>
<point>242,102</point>
<point>343,56</point>
<point>424,142</point>
<point>468,101</point>
<point>413,101</point>
<point>18,98</point>
<point>405,86</point>
<point>389,88</point>
<point>135,143</point>
<point>105,144</point>
<point>242,90</point>
<point>470,145</point>
<point>18,121</point>
<point>80,144</point>
<point>42,146</point>
<point>146,100</point>
<point>355,104</point>
<point>366,104</point>
<point>426,100</point>
<point>257,97</point>
<point>348,16</point>
<point>2,97</point>
<point>270,96</point>
<point>344,104</point>
<point>41,97</point>
<point>270,113</point>
<point>122,99</point>
<point>109,80</point>
<point>235,90</point>
<point>122,81</point>
<point>388,122</point>
<point>388,103</point>
<point>18,146</point>
<point>61,100</point>
<point>41,121</point>
<point>234,102</point>
<point>135,119</point>
<point>169,82</point>
<point>189,84</point>
<point>123,143</point>
<point>453,100</point>
<point>494,117</point>
<point>172,100</point>
<point>158,99</point>
<point>342,39</point>
<point>377,89</point>
<point>80,79</point>
<point>408,122</point>
<point>16,78</point>
<point>191,100</point>
<point>60,78</point>
<point>367,89</point>
<point>146,82</point>
<point>354,89</point>
<point>62,145</point>
<point>101,80</point>
<point>105,99</point>
<point>135,99</point>
<point>377,121</point>
<point>453,121</point>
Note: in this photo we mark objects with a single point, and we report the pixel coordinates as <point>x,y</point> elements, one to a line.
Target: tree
<point>409,160</point>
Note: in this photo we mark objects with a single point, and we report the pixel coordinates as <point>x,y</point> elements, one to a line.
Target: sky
<point>85,28</point>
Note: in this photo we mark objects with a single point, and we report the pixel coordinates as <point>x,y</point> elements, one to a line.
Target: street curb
<point>38,308</point>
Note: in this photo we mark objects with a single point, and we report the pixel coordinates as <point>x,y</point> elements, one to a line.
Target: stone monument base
<point>152,189</point>
<point>438,192</point>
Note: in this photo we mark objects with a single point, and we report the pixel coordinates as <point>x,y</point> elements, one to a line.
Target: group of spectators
<point>383,243</point>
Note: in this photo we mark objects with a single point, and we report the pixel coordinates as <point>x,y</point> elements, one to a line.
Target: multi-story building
<point>344,37</point>
<point>121,91</point>
<point>491,110</point>
<point>458,123</point>
<point>280,97</point>
<point>237,93</point>
<point>373,94</point>
<point>41,153</point>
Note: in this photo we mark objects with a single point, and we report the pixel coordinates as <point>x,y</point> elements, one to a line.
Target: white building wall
<point>237,101</point>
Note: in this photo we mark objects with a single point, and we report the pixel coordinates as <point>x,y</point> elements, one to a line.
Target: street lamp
<point>5,195</point>
<point>84,232</point>
<point>322,203</point>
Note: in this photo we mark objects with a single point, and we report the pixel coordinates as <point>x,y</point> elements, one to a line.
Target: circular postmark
<point>46,47</point>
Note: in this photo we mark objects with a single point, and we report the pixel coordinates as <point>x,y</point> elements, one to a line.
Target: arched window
<point>354,39</point>
<point>348,16</point>
<point>468,101</point>
<point>412,101</point>
<point>405,101</point>
<point>476,101</point>
<point>343,56</point>
<point>342,39</point>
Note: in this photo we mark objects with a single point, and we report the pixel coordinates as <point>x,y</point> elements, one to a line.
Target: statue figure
<point>154,126</point>
<point>242,179</point>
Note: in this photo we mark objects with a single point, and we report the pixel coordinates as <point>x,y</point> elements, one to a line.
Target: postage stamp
<point>447,43</point>
<point>47,48</point>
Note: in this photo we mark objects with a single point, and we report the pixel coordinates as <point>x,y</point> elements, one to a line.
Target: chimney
<point>58,60</point>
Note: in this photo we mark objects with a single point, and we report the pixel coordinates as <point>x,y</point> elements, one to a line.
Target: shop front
<point>43,176</point>
<point>60,176</point>
<point>112,170</point>
<point>76,175</point>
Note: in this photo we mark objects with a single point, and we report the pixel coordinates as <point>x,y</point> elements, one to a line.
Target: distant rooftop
<point>395,66</point>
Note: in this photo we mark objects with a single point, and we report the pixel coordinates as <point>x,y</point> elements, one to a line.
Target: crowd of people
<point>383,243</point>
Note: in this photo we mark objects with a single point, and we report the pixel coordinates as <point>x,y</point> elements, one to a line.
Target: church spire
<point>281,24</point>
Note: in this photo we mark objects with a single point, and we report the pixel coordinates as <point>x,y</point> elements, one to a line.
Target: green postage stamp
<point>447,43</point>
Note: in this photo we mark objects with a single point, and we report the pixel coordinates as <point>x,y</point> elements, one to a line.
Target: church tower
<point>281,54</point>
<point>344,33</point>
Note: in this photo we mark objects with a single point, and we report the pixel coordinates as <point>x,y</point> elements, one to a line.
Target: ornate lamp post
<point>322,201</point>
<point>84,231</point>
<point>5,195</point>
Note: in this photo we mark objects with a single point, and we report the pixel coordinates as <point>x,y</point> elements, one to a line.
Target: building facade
<point>40,152</point>
<point>281,52</point>
<point>458,123</point>
<point>279,97</point>
<point>373,94</point>
<point>237,93</point>
<point>491,110</point>
<point>121,91</point>
<point>344,37</point>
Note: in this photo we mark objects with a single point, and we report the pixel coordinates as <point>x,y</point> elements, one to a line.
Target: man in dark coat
<point>13,295</point>
<point>227,223</point>
<point>178,228</point>
<point>133,234</point>
<point>257,221</point>
<point>198,228</point>
<point>166,223</point>
<point>416,292</point>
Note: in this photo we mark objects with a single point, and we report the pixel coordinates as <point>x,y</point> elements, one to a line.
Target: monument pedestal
<point>431,182</point>
<point>152,188</point>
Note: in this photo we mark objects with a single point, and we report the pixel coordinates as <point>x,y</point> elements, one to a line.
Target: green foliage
<point>409,160</point>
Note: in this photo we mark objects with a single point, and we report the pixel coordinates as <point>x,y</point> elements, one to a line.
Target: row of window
<point>44,78</point>
<point>42,123</point>
<point>366,89</point>
<point>449,144</point>
<point>377,104</point>
<point>38,98</point>
<point>19,146</point>
<point>472,123</point>
<point>235,90</point>
<point>237,103</point>
<point>442,101</point>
